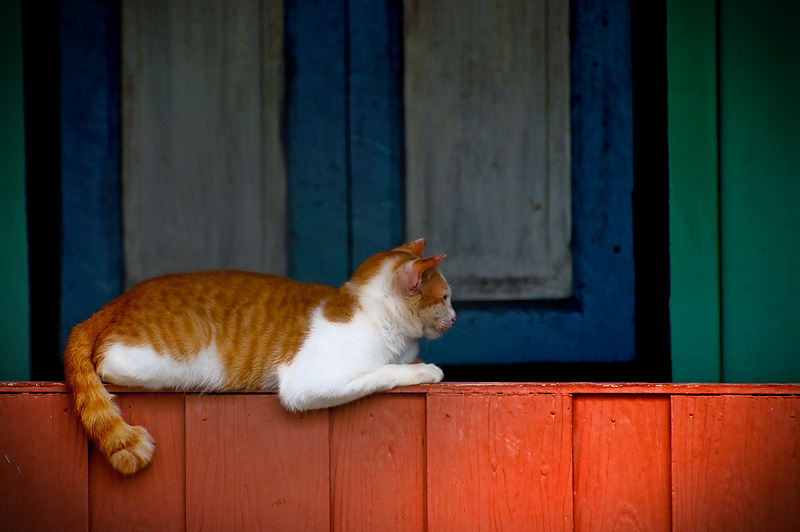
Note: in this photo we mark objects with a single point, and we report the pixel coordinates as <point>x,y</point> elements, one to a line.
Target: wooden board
<point>44,481</point>
<point>374,127</point>
<point>693,190</point>
<point>250,464</point>
<point>499,462</point>
<point>759,71</point>
<point>487,106</point>
<point>736,463</point>
<point>378,464</point>
<point>153,499</point>
<point>317,141</point>
<point>202,162</point>
<point>621,456</point>
<point>504,388</point>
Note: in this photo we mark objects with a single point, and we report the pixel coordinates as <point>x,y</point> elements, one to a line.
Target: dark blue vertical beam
<point>90,155</point>
<point>316,140</point>
<point>375,126</point>
<point>602,163</point>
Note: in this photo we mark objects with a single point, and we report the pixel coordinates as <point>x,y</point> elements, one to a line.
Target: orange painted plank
<point>594,388</point>
<point>378,464</point>
<point>154,498</point>
<point>736,463</point>
<point>621,456</point>
<point>499,462</point>
<point>43,464</point>
<point>251,465</point>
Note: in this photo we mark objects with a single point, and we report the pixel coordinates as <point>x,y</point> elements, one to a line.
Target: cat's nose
<point>453,320</point>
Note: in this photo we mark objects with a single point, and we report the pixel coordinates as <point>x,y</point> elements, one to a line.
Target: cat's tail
<point>128,448</point>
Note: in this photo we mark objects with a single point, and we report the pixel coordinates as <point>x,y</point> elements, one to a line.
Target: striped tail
<point>127,448</point>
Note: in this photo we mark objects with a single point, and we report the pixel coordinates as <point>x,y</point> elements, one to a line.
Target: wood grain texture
<point>153,499</point>
<point>202,164</point>
<point>736,463</point>
<point>487,106</point>
<point>499,463</point>
<point>621,456</point>
<point>250,464</point>
<point>44,481</point>
<point>378,464</point>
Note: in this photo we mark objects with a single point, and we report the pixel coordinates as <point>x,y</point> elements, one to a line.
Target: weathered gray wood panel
<point>202,165</point>
<point>488,143</point>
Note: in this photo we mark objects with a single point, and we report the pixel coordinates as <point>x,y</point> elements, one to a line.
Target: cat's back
<point>223,290</point>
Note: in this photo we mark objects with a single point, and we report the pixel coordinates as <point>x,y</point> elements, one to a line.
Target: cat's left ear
<point>416,247</point>
<point>409,275</point>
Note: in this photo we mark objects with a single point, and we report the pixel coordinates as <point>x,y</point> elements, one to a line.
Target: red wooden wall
<point>443,457</point>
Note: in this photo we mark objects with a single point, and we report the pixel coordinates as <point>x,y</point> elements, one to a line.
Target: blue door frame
<point>345,170</point>
<point>344,151</point>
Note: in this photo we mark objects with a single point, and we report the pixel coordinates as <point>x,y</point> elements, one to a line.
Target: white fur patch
<point>340,362</point>
<point>142,366</point>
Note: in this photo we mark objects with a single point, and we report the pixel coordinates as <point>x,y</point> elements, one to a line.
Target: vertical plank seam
<point>671,464</point>
<point>573,409</point>
<point>88,466</point>
<point>425,440</point>
<point>185,466</point>
<point>331,470</point>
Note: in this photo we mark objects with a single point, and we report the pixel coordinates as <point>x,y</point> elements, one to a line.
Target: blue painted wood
<point>597,324</point>
<point>375,128</point>
<point>90,155</point>
<point>345,173</point>
<point>316,141</point>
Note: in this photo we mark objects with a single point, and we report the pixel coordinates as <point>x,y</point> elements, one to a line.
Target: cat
<point>317,346</point>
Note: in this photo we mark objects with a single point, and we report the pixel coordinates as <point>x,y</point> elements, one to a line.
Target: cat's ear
<point>409,275</point>
<point>415,248</point>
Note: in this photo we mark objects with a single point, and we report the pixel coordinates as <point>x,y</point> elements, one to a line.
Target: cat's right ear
<point>415,248</point>
<point>409,275</point>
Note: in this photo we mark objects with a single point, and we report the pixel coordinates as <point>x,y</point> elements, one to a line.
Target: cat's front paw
<point>427,373</point>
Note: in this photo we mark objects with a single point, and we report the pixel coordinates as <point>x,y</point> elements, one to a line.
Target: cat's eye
<point>446,297</point>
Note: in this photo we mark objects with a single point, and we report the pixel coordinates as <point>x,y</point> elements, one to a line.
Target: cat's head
<point>412,285</point>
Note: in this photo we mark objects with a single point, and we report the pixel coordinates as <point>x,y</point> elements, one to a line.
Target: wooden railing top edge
<point>492,388</point>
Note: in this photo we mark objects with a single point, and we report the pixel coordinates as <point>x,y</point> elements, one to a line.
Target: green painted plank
<point>760,188</point>
<point>14,306</point>
<point>694,226</point>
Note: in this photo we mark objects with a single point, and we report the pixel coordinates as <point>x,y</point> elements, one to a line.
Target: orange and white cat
<point>228,330</point>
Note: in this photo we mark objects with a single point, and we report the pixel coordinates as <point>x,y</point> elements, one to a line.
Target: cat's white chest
<point>340,362</point>
<point>360,342</point>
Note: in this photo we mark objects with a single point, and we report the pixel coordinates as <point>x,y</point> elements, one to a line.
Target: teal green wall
<point>14,309</point>
<point>759,135</point>
<point>694,214</point>
<point>734,116</point>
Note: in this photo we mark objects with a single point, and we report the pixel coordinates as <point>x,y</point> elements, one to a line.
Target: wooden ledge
<point>491,388</point>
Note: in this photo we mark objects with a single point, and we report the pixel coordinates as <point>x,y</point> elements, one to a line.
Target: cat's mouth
<point>439,328</point>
